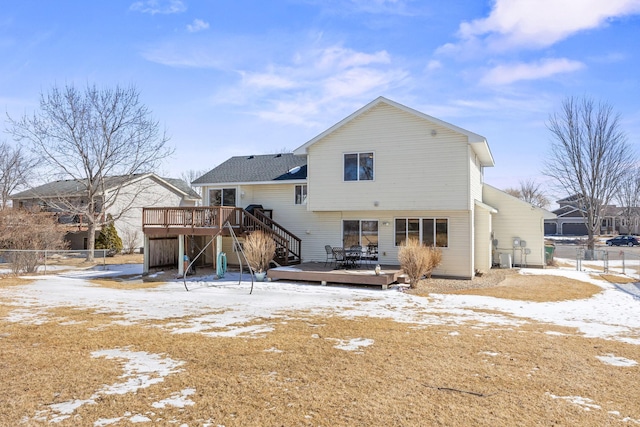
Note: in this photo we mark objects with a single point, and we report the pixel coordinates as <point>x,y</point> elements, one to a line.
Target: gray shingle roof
<point>183,186</point>
<point>76,188</point>
<point>262,168</point>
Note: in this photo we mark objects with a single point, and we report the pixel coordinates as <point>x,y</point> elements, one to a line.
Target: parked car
<point>623,241</point>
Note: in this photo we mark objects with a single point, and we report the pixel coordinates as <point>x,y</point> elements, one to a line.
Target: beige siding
<point>516,218</point>
<point>476,178</point>
<point>414,169</point>
<point>315,229</point>
<point>131,199</point>
<point>482,239</point>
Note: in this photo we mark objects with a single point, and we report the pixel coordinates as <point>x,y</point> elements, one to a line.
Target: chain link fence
<point>40,261</point>
<point>608,260</point>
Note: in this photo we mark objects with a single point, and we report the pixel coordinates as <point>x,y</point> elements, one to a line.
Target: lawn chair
<point>339,257</point>
<point>330,256</point>
<point>355,255</point>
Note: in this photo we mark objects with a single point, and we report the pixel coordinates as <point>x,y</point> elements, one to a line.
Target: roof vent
<point>250,157</point>
<point>278,155</point>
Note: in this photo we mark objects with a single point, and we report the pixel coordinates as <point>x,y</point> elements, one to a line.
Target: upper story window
<point>222,197</point>
<point>358,167</point>
<point>301,194</point>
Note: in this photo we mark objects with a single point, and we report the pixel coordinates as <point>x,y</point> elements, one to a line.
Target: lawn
<point>98,348</point>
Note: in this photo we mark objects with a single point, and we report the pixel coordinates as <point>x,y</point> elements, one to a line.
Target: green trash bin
<point>548,254</point>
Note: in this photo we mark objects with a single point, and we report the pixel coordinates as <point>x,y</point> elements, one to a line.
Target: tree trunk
<point>91,240</point>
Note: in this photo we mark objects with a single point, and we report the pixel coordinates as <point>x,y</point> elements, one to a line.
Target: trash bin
<point>548,254</point>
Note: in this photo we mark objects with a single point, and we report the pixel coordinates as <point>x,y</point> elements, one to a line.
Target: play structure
<point>221,264</point>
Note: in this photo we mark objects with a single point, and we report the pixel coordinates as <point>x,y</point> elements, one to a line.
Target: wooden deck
<point>318,272</point>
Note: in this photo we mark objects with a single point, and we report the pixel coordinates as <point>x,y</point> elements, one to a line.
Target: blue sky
<point>235,77</point>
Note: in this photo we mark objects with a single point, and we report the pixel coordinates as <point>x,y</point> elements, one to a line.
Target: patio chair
<point>339,257</point>
<point>355,253</point>
<point>330,256</point>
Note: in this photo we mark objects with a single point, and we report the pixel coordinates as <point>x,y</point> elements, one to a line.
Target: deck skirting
<point>316,272</point>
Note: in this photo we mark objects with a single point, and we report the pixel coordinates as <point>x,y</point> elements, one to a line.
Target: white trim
<point>477,142</point>
<point>239,183</point>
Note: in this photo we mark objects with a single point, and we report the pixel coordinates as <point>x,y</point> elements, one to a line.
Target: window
<point>429,231</point>
<point>222,197</point>
<point>360,232</point>
<point>358,167</point>
<point>301,194</point>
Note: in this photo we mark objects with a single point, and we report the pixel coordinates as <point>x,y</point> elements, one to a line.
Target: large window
<point>358,167</point>
<point>301,194</point>
<point>360,232</point>
<point>222,197</point>
<point>429,231</point>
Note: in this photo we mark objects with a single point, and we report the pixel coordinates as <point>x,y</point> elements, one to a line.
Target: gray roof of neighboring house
<point>75,188</point>
<point>262,168</point>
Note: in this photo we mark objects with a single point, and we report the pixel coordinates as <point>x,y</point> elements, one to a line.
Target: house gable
<point>420,163</point>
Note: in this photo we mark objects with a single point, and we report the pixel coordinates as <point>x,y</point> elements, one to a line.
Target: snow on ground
<point>141,370</point>
<point>224,307</point>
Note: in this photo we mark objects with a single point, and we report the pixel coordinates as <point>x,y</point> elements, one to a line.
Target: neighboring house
<point>569,220</point>
<point>383,174</point>
<point>130,194</point>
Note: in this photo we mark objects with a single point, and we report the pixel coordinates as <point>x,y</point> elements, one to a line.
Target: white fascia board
<point>235,184</point>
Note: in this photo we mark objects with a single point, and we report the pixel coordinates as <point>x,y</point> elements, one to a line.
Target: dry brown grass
<point>10,280</point>
<point>538,288</point>
<point>611,278</point>
<point>410,376</point>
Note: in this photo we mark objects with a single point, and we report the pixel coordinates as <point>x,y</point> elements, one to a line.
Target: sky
<point>224,308</point>
<point>239,77</point>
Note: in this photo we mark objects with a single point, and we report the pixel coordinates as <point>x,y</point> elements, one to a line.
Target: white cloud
<point>267,80</point>
<point>434,65</point>
<point>538,23</point>
<point>153,7</point>
<point>318,79</point>
<point>510,73</point>
<point>197,25</point>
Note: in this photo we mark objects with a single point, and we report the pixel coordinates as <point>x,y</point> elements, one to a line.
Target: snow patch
<point>177,400</point>
<point>141,370</point>
<point>353,344</point>
<point>586,403</point>
<point>610,359</point>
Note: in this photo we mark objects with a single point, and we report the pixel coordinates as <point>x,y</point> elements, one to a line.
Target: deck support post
<point>145,256</point>
<point>218,249</point>
<point>180,255</point>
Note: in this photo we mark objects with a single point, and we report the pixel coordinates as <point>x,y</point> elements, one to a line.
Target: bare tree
<point>130,238</point>
<point>89,137</point>
<point>530,192</point>
<point>191,175</point>
<point>628,195</point>
<point>15,170</point>
<point>589,156</point>
<point>23,234</point>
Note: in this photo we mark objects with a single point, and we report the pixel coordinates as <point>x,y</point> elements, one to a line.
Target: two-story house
<point>383,174</point>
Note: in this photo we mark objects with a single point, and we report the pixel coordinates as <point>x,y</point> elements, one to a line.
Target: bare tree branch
<point>589,156</point>
<point>16,169</point>
<point>90,137</point>
<point>530,192</point>
<point>628,195</point>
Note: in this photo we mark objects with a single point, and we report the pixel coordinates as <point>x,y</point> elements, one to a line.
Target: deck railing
<point>181,219</point>
<point>191,217</point>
